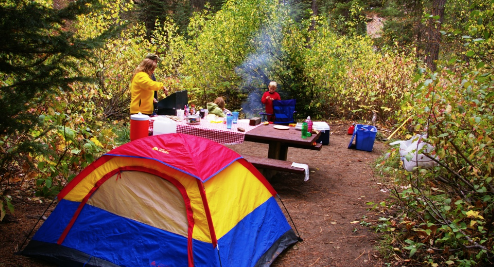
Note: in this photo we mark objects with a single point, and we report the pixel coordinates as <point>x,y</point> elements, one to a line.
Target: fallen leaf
<point>474,214</point>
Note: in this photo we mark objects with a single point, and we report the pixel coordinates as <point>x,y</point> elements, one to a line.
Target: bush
<point>448,211</point>
<point>39,52</point>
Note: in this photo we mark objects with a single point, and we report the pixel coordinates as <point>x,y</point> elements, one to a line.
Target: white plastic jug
<point>164,126</point>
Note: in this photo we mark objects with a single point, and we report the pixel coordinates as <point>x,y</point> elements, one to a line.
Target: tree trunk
<point>434,34</point>
<point>314,13</point>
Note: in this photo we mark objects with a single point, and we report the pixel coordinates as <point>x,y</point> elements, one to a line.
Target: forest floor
<point>330,211</point>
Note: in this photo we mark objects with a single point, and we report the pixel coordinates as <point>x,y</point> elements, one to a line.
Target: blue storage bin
<point>364,136</point>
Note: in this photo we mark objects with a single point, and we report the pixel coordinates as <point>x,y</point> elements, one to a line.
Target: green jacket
<point>214,109</point>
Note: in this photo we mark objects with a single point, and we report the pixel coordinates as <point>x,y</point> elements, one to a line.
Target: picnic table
<point>279,140</point>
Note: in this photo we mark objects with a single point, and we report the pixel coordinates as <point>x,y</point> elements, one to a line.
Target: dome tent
<point>166,200</point>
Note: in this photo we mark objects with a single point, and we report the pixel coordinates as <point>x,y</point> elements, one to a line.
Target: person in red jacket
<point>268,97</point>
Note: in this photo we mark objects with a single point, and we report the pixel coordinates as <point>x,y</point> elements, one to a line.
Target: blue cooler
<point>364,136</point>
<point>323,127</point>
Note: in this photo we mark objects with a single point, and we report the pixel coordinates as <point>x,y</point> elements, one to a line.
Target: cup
<point>202,113</point>
<point>229,121</point>
<point>235,117</point>
<point>180,114</point>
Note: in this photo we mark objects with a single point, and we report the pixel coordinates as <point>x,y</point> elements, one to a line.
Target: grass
<point>123,134</point>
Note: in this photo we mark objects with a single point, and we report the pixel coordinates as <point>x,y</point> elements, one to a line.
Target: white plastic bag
<point>411,153</point>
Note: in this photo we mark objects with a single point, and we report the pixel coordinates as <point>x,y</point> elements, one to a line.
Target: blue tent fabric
<point>108,232</point>
<point>265,219</point>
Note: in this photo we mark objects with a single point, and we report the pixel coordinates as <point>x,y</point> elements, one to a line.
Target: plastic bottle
<point>309,124</point>
<point>304,130</point>
<point>351,129</point>
<point>186,111</point>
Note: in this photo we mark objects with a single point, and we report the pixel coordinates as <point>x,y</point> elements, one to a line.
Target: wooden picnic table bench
<point>279,141</point>
<point>273,164</point>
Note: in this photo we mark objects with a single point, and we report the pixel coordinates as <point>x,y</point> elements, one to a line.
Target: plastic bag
<point>411,153</point>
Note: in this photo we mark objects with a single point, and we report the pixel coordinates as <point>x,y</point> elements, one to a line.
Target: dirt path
<point>323,208</point>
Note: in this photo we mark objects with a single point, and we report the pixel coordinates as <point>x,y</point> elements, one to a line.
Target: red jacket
<point>269,103</point>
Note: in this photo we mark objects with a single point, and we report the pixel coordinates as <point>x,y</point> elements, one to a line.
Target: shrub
<point>448,210</point>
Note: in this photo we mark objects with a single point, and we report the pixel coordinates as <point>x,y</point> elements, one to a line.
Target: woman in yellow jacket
<point>142,88</point>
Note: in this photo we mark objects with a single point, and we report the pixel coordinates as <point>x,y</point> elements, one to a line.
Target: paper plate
<point>281,127</point>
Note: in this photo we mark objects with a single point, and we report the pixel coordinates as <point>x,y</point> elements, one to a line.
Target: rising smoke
<point>257,69</point>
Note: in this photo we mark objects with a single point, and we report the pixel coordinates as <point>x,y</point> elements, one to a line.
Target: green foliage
<point>219,43</point>
<point>150,11</point>
<point>402,27</point>
<point>36,54</point>
<point>69,147</point>
<point>308,60</point>
<point>473,22</point>
<point>347,17</point>
<point>452,204</point>
<point>39,59</point>
<point>5,203</point>
<point>352,79</point>
<point>405,28</point>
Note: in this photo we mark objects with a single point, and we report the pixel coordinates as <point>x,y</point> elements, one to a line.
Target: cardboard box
<point>255,121</point>
<point>323,127</point>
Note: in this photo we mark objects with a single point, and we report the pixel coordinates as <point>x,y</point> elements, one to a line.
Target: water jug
<point>139,126</point>
<point>164,126</point>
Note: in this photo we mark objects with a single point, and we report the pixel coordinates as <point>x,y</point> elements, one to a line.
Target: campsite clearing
<point>329,211</point>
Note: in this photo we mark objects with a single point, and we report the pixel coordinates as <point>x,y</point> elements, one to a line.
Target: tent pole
<point>298,235</point>
<point>41,216</point>
<point>218,249</point>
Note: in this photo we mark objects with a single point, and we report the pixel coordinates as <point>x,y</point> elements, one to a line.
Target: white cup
<point>180,114</point>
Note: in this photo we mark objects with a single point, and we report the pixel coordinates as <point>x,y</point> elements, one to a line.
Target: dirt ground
<point>327,210</point>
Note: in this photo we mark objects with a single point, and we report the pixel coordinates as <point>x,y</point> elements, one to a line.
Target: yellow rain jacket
<point>142,89</point>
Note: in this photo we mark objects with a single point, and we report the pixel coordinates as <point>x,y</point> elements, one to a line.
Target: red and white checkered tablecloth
<point>217,131</point>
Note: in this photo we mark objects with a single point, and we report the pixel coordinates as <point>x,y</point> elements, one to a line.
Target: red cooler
<point>139,126</point>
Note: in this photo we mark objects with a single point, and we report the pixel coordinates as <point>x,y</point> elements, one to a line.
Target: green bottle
<point>304,130</point>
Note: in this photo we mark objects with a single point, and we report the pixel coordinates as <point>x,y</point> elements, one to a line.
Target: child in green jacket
<point>218,107</point>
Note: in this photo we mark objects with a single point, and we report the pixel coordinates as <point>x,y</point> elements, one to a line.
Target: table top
<point>268,133</point>
<point>217,131</point>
